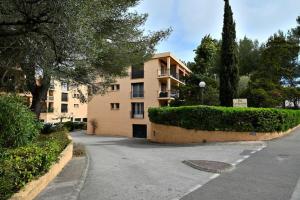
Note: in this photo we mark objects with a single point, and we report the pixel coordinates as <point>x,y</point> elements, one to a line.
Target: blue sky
<point>193,19</point>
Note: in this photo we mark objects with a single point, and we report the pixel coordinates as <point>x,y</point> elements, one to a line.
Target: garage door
<point>139,131</point>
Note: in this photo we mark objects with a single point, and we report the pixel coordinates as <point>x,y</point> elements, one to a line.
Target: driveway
<point>135,169</point>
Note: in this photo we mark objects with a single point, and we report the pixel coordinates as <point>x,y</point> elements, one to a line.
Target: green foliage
<point>207,55</point>
<point>50,128</point>
<point>226,119</point>
<point>71,126</point>
<point>190,93</point>
<point>48,35</point>
<point>249,53</point>
<point>204,69</point>
<point>229,73</point>
<point>23,164</point>
<point>277,77</point>
<point>18,125</point>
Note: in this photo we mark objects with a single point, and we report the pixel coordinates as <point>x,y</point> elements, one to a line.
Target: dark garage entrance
<point>139,131</point>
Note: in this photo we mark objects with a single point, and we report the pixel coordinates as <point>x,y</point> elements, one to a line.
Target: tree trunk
<point>37,87</point>
<point>39,95</point>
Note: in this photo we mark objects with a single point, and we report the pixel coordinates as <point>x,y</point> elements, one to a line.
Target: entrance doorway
<point>139,131</point>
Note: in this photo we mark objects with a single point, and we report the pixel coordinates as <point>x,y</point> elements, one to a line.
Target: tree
<point>229,74</point>
<point>278,73</point>
<point>73,40</point>
<point>204,69</point>
<point>248,56</point>
<point>206,59</point>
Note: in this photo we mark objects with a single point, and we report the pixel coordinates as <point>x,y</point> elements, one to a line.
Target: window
<point>137,90</point>
<point>44,108</point>
<point>64,96</point>
<point>64,108</point>
<point>64,87</point>
<point>114,106</point>
<point>137,110</point>
<point>137,71</point>
<point>84,119</point>
<point>77,119</point>
<point>115,87</point>
<point>76,105</point>
<point>50,107</point>
<point>76,96</point>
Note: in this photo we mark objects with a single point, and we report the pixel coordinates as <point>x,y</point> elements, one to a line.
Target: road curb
<point>78,187</point>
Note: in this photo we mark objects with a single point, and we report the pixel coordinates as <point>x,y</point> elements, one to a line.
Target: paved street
<point>271,174</point>
<point>133,169</point>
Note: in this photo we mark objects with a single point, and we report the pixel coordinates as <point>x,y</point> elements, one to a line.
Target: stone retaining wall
<point>177,135</point>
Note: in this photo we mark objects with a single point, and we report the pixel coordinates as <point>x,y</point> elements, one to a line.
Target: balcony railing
<point>168,94</point>
<point>137,94</point>
<point>52,86</point>
<point>137,115</point>
<point>163,73</point>
<point>50,98</point>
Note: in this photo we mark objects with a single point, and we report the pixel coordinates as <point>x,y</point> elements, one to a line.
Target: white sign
<point>241,103</point>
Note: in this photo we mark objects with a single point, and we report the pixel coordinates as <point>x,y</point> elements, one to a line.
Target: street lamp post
<point>202,85</point>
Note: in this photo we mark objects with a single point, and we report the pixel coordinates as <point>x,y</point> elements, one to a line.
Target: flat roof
<point>169,54</point>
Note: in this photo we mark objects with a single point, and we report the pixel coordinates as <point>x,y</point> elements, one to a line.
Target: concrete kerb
<point>78,187</point>
<point>35,187</point>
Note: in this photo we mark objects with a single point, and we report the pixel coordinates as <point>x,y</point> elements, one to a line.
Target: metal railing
<point>137,115</point>
<point>168,94</point>
<point>167,72</point>
<point>50,98</point>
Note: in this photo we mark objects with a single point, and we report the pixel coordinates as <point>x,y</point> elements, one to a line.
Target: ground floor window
<point>137,110</point>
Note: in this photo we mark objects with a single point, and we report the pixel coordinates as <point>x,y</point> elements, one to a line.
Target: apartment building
<point>63,104</point>
<point>123,110</point>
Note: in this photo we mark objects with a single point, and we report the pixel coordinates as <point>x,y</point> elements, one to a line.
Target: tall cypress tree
<point>229,74</point>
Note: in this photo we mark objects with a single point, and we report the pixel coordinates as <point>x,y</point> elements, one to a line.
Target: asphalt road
<point>270,174</point>
<point>133,169</point>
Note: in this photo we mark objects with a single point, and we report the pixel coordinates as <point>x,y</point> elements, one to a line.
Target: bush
<point>18,125</point>
<point>23,164</point>
<point>71,126</point>
<point>50,128</point>
<point>226,119</point>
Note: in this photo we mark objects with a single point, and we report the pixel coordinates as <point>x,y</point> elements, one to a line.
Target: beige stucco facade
<point>61,95</point>
<point>162,74</point>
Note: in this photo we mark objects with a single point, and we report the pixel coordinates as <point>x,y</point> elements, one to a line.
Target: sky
<point>191,20</point>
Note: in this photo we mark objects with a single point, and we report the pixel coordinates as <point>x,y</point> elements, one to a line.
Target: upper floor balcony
<point>168,94</point>
<point>167,73</point>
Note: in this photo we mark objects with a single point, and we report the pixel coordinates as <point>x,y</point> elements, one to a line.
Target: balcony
<point>137,115</point>
<point>169,73</point>
<point>50,98</point>
<point>168,94</point>
<point>52,87</point>
<point>50,110</point>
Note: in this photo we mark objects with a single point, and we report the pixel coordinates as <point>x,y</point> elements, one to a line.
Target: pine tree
<point>229,74</point>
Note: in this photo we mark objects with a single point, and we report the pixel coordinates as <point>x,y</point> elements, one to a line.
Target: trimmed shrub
<point>18,125</point>
<point>226,119</point>
<point>71,126</point>
<point>50,128</point>
<point>23,164</point>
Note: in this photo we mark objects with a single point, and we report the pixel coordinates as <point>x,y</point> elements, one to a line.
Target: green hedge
<point>18,125</point>
<point>226,119</point>
<point>21,165</point>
